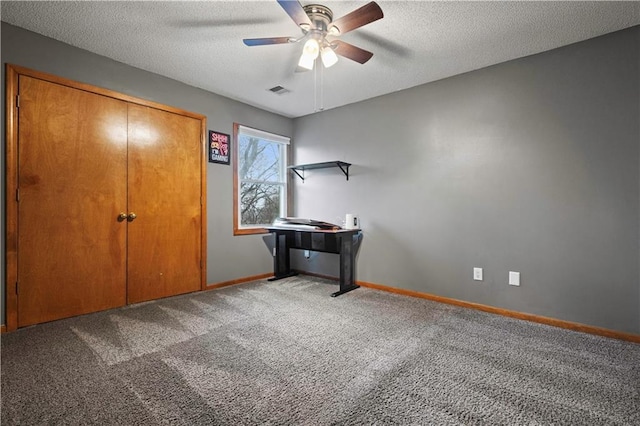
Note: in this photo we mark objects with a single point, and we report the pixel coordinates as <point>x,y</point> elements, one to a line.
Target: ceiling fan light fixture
<point>306,62</point>
<point>311,48</point>
<point>329,57</point>
<point>310,52</point>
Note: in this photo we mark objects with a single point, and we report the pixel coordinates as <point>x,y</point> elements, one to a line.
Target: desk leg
<point>281,261</point>
<point>347,260</point>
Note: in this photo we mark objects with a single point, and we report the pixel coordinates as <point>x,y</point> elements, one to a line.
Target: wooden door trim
<point>11,137</point>
<point>11,133</point>
<point>203,202</point>
<point>100,91</point>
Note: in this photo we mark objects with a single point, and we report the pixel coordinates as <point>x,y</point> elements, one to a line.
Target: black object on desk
<point>327,241</point>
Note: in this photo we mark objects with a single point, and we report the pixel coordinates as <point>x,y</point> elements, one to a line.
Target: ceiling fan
<point>320,32</point>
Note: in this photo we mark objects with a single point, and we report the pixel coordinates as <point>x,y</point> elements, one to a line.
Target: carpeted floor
<point>285,352</point>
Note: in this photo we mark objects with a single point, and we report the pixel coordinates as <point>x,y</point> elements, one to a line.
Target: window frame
<point>238,229</point>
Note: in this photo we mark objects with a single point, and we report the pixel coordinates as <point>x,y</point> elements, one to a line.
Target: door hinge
<point>201,202</point>
<point>17,101</point>
<point>16,287</point>
<point>18,194</point>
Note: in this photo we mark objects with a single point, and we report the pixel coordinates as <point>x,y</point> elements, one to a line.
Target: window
<point>259,179</point>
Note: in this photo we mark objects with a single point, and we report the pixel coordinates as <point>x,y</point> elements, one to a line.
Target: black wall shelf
<point>302,167</point>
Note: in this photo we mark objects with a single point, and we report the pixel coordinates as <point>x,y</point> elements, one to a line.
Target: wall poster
<point>219,147</point>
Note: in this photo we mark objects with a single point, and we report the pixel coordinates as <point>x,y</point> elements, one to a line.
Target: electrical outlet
<point>514,278</point>
<point>477,274</point>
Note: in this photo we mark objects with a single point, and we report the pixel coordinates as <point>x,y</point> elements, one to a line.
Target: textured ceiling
<point>200,43</point>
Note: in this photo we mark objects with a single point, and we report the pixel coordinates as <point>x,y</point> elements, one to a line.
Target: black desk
<point>340,242</point>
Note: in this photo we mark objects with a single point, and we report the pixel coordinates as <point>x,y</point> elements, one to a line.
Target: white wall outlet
<point>477,274</point>
<point>514,278</point>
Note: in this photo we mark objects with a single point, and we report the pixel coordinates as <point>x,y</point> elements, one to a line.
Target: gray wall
<point>228,257</point>
<point>530,166</point>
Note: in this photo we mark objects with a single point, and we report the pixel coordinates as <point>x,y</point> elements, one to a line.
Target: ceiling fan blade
<point>365,15</point>
<point>265,41</point>
<point>352,52</point>
<point>295,11</point>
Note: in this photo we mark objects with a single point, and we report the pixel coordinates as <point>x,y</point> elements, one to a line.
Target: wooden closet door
<point>164,239</point>
<point>72,169</point>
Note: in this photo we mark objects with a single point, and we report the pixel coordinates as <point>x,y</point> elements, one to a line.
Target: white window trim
<point>260,134</point>
<point>240,130</point>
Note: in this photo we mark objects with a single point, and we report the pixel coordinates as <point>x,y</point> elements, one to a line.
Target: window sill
<point>250,231</point>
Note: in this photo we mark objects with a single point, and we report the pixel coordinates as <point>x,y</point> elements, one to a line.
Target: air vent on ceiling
<point>279,90</point>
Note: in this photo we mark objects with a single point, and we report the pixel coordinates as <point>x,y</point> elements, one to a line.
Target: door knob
<point>131,216</point>
<point>121,217</point>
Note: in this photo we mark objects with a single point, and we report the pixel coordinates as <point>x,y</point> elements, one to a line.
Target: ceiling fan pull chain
<point>315,88</point>
<point>321,88</point>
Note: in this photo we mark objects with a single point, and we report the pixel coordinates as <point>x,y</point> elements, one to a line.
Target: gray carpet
<point>287,353</point>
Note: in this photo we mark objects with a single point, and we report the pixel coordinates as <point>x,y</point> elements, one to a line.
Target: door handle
<point>131,216</point>
<point>122,216</point>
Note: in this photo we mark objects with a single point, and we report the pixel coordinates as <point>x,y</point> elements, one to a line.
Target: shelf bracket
<point>301,176</point>
<point>346,172</point>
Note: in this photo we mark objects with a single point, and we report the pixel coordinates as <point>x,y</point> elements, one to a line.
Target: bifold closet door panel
<point>72,180</point>
<point>164,236</point>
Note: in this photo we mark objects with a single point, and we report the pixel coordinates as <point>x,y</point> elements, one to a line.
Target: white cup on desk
<point>351,221</point>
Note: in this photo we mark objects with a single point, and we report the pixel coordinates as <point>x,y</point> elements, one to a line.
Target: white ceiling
<point>200,43</point>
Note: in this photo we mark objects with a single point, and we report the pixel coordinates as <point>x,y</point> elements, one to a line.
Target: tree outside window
<point>260,179</point>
